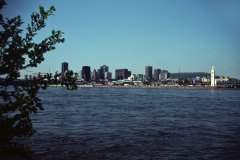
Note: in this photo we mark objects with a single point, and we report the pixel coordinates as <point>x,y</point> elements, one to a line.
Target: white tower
<point>213,83</point>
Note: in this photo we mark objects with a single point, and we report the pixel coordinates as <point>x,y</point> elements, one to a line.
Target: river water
<point>121,123</point>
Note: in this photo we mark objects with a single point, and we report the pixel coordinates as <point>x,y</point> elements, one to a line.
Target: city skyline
<point>152,77</point>
<point>153,74</point>
<point>190,35</point>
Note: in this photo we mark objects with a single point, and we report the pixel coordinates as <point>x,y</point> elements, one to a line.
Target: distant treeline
<point>189,75</point>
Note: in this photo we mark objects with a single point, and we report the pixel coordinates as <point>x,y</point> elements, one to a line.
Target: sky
<point>186,35</point>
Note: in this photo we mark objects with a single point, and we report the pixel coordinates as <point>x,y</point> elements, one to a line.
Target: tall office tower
<point>100,73</point>
<point>103,70</point>
<point>139,77</point>
<point>129,74</point>
<point>164,75</point>
<point>121,74</point>
<point>86,73</point>
<point>108,75</point>
<point>156,74</point>
<point>148,72</point>
<point>79,75</point>
<point>213,81</point>
<point>94,75</point>
<point>64,68</point>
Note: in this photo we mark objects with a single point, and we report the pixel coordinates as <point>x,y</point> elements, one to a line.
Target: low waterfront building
<point>205,80</point>
<point>222,79</point>
<point>164,75</point>
<point>123,82</point>
<point>132,77</point>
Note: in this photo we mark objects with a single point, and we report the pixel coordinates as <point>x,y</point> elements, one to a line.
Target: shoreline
<point>168,87</point>
<point>153,87</point>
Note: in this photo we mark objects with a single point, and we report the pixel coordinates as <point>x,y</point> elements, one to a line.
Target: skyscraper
<point>148,73</point>
<point>129,73</point>
<point>108,75</point>
<point>86,73</point>
<point>105,68</point>
<point>64,68</point>
<point>156,74</point>
<point>121,74</point>
<point>102,71</point>
<point>94,75</point>
<point>79,75</point>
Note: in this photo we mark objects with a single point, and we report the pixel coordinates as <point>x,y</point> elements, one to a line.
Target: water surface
<point>121,123</point>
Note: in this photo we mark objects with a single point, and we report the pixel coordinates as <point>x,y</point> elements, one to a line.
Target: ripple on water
<point>108,123</point>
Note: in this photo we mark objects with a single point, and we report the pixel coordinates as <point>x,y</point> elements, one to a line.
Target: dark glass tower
<point>121,74</point>
<point>156,74</point>
<point>148,73</point>
<point>64,68</point>
<point>102,71</point>
<point>86,73</point>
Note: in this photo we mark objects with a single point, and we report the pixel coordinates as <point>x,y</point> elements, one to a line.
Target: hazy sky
<point>191,35</point>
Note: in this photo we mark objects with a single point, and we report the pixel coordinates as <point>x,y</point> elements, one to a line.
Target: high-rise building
<point>101,73</point>
<point>64,68</point>
<point>94,75</point>
<point>86,73</point>
<point>164,75</point>
<point>79,75</point>
<point>129,74</point>
<point>121,74</point>
<point>213,81</point>
<point>103,69</point>
<point>108,75</point>
<point>140,77</point>
<point>148,73</point>
<point>156,74</point>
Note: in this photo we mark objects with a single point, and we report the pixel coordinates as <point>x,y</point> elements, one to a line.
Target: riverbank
<point>157,87</point>
<point>154,87</point>
<point>168,87</point>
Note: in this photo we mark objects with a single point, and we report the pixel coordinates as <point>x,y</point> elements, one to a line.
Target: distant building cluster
<point>126,77</point>
<point>152,77</point>
<point>103,75</point>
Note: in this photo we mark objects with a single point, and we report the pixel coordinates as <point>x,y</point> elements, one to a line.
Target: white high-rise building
<point>213,81</point>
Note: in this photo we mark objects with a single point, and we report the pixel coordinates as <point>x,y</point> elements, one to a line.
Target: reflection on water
<point>107,123</point>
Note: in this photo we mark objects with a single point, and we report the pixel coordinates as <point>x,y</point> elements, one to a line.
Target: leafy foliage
<point>19,52</point>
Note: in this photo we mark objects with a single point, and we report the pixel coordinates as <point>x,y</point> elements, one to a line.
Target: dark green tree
<point>18,51</point>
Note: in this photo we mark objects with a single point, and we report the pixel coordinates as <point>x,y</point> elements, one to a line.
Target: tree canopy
<point>18,52</point>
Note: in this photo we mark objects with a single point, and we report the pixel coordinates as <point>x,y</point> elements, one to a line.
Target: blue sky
<point>191,35</point>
